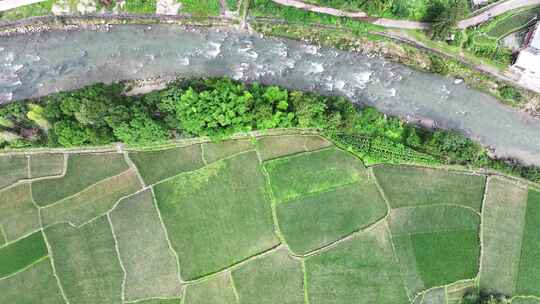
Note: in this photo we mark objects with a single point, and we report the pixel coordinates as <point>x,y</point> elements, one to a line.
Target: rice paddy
<point>269,219</point>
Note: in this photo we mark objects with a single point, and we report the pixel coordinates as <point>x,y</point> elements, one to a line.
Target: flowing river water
<point>38,64</point>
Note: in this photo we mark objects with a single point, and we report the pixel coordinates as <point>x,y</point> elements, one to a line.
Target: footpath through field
<point>493,11</point>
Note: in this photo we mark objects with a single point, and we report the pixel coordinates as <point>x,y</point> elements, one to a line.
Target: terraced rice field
<point>264,219</point>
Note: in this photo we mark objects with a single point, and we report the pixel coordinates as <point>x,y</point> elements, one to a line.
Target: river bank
<point>42,63</point>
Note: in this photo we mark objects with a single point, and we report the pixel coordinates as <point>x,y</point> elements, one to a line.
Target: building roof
<point>479,2</point>
<point>529,60</point>
<point>535,39</point>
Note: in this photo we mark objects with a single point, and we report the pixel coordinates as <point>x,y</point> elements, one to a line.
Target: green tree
<point>445,17</point>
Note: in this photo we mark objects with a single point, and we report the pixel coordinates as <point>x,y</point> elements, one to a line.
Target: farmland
<point>286,217</point>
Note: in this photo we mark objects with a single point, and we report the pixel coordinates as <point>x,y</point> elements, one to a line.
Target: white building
<point>479,3</point>
<point>528,60</point>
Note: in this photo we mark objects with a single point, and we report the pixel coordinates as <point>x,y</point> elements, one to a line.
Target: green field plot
<point>214,151</point>
<point>24,252</point>
<point>83,170</point>
<point>274,278</point>
<point>316,220</point>
<point>155,166</point>
<point>525,300</point>
<point>18,215</point>
<point>50,164</point>
<point>218,290</point>
<point>512,22</point>
<point>298,175</point>
<point>209,224</point>
<point>36,284</point>
<point>281,145</point>
<point>92,202</point>
<point>13,168</point>
<point>413,186</point>
<point>161,301</point>
<point>200,7</point>
<point>140,6</point>
<point>436,245</point>
<point>86,262</point>
<point>151,266</point>
<point>361,270</point>
<point>502,233</point>
<point>529,266</point>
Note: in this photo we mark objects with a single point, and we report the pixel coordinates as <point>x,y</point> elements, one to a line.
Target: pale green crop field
<point>289,219</point>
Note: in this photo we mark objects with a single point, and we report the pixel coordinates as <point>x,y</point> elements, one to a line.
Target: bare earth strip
<point>502,232</point>
<point>18,215</point>
<point>92,202</point>
<point>150,264</point>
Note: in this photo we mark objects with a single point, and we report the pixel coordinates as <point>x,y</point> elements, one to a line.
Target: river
<point>38,64</point>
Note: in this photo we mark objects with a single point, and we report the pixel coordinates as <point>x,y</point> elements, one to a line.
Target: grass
<point>209,224</point>
<point>93,202</point>
<point>436,295</point>
<point>161,301</point>
<point>412,186</point>
<point>314,221</point>
<point>86,262</point>
<point>428,219</point>
<point>217,290</point>
<point>83,170</point>
<point>140,6</point>
<point>26,11</point>
<point>345,273</point>
<point>18,215</point>
<point>274,278</point>
<point>446,257</point>
<point>232,5</point>
<point>214,151</point>
<point>151,266</point>
<point>200,7</point>
<point>502,229</point>
<point>36,284</point>
<point>21,254</point>
<point>49,164</point>
<point>277,146</point>
<point>155,166</point>
<point>267,8</point>
<point>299,175</point>
<point>525,300</point>
<point>13,168</point>
<point>270,147</point>
<point>529,276</point>
<point>430,238</point>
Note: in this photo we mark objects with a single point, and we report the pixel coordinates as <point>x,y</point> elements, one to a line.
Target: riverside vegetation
<point>220,107</point>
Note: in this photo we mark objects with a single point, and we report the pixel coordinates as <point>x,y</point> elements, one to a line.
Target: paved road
<point>494,10</point>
